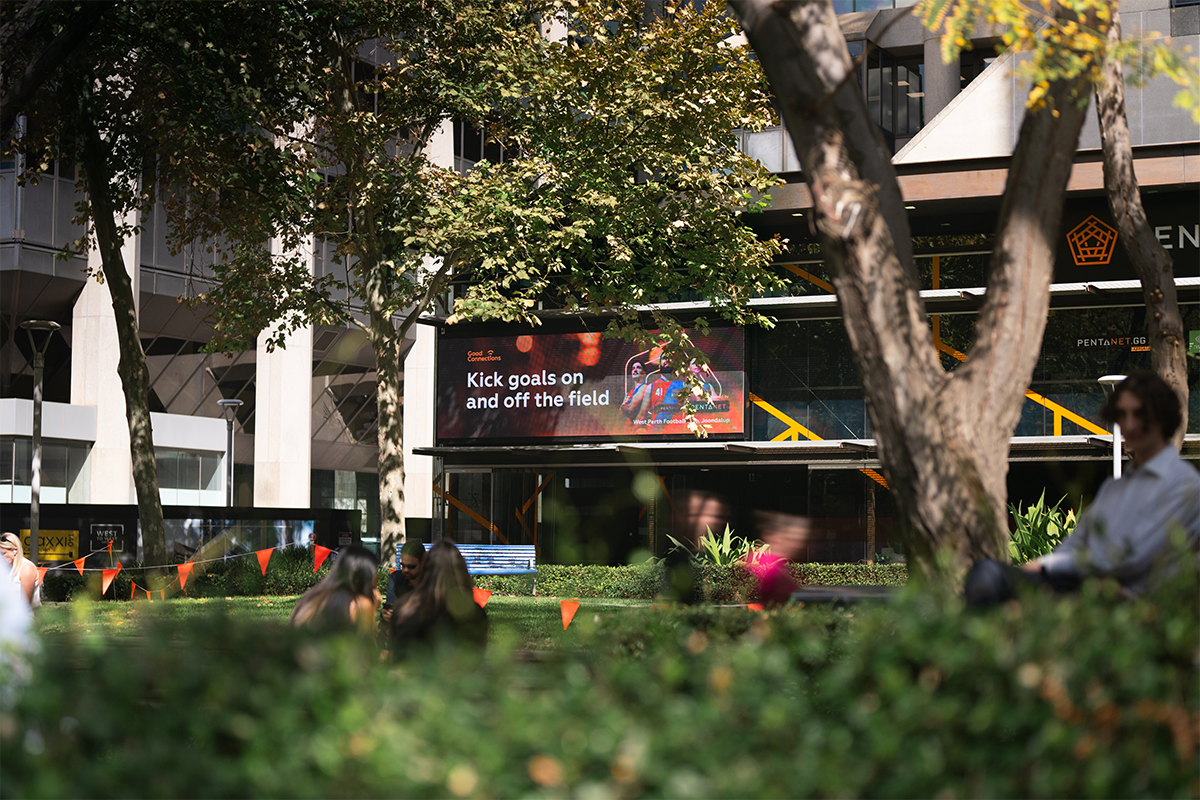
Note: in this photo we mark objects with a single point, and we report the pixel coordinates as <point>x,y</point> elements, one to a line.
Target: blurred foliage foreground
<point>1087,695</point>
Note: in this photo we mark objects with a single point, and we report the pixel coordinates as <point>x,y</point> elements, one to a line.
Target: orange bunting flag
<point>755,606</point>
<point>132,589</point>
<point>569,607</point>
<point>109,575</point>
<point>79,564</point>
<point>163,593</point>
<point>263,557</point>
<point>148,597</point>
<point>319,556</point>
<point>481,596</point>
<point>110,547</point>
<point>42,574</point>
<point>184,571</point>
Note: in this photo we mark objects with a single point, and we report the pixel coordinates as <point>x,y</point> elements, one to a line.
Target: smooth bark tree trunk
<point>943,437</point>
<point>1154,267</point>
<point>385,340</point>
<point>131,366</point>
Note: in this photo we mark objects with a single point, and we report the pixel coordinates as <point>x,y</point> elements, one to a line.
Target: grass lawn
<point>527,623</point>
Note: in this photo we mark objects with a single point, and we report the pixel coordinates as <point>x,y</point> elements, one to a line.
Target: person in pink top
<point>785,535</point>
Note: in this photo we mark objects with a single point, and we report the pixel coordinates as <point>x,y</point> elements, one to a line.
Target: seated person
<point>405,579</point>
<point>440,613</point>
<point>1126,533</point>
<point>345,599</point>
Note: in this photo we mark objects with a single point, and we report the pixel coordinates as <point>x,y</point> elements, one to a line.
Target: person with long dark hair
<point>1128,532</point>
<point>440,613</point>
<point>345,599</point>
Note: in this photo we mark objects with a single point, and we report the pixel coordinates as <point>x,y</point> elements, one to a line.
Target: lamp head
<point>1109,381</point>
<point>40,325</point>
<point>229,408</point>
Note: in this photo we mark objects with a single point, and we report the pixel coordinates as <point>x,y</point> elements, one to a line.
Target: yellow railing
<point>794,428</point>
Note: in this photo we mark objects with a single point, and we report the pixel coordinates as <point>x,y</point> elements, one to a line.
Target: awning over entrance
<point>831,454</point>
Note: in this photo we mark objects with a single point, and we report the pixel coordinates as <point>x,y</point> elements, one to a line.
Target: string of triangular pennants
<point>568,608</point>
<point>184,570</point>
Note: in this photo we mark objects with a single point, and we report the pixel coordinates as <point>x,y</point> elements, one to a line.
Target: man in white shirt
<point>1127,532</point>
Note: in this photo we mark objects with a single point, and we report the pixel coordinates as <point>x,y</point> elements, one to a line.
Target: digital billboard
<point>582,384</point>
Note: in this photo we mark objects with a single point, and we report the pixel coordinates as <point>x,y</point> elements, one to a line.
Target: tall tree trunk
<point>385,341</point>
<point>1153,266</point>
<point>943,438</point>
<point>135,377</point>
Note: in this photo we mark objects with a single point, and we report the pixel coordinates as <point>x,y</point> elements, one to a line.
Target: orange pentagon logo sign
<point>1092,242</point>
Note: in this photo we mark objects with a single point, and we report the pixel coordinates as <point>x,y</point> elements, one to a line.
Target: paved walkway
<point>843,595</point>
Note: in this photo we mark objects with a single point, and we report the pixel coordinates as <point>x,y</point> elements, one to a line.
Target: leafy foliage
<point>1039,528</point>
<point>1082,695</point>
<point>1064,39</point>
<point>724,550</point>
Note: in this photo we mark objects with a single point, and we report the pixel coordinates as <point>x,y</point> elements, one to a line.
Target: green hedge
<point>290,572</point>
<point>1087,695</point>
<point>719,583</point>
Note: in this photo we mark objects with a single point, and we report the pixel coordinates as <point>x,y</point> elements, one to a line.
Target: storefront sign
<point>103,534</point>
<point>54,545</point>
<point>1134,343</point>
<point>581,384</point>
<point>1092,242</point>
<point>1090,249</point>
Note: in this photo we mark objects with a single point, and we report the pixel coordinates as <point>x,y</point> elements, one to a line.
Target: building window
<point>64,471</point>
<point>472,144</point>
<point>188,478</point>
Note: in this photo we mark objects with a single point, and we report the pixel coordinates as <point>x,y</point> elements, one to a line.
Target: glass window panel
<point>210,472</point>
<point>54,464</point>
<point>189,470</point>
<point>22,462</point>
<point>168,469</point>
<point>6,461</point>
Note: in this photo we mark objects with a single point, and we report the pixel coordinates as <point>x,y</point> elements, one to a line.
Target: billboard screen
<point>581,384</point>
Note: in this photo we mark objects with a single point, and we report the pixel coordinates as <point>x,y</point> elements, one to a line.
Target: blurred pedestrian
<point>786,536</point>
<point>697,515</point>
<point>22,571</point>
<point>345,599</point>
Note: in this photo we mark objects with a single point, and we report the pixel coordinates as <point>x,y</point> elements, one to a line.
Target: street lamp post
<point>39,367</point>
<point>229,411</point>
<point>1108,382</point>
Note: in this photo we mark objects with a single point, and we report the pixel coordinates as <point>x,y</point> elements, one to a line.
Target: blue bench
<point>495,559</point>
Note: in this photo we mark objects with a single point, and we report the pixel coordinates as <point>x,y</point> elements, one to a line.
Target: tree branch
<point>42,65</point>
<point>1152,263</point>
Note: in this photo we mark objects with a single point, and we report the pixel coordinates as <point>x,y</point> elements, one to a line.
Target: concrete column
<point>942,81</point>
<point>95,382</point>
<point>419,398</point>
<point>283,419</point>
<point>441,145</point>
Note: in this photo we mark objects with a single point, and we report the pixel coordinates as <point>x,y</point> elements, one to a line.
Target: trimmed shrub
<point>290,572</point>
<point>1086,695</point>
<point>719,583</point>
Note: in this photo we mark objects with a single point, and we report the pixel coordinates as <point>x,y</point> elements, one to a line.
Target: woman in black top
<point>441,613</point>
